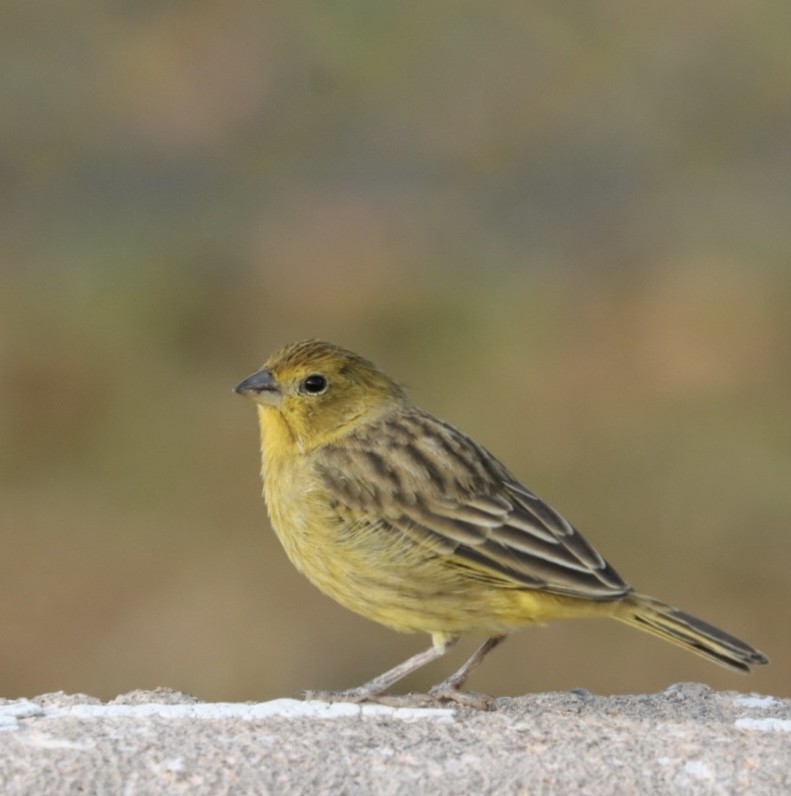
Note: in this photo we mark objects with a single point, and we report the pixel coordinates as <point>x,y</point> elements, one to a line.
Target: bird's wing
<point>419,476</point>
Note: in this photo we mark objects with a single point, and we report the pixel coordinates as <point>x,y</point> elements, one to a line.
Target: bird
<point>404,519</point>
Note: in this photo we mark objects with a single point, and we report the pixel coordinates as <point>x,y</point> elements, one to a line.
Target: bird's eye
<point>314,384</point>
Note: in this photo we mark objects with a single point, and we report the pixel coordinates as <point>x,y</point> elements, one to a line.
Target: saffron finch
<point>402,518</point>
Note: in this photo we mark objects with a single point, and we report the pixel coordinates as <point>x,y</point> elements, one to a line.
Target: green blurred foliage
<point>563,226</point>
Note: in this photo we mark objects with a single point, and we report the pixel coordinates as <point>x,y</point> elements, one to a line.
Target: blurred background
<point>564,226</point>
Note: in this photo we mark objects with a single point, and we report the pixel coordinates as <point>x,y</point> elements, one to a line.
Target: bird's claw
<point>436,696</point>
<point>352,695</point>
<point>467,699</point>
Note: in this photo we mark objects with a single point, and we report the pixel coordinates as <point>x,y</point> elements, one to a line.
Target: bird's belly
<point>390,579</point>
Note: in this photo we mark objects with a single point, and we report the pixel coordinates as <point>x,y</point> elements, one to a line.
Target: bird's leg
<point>449,689</point>
<point>380,684</point>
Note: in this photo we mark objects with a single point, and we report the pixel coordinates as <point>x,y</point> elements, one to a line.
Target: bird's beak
<point>260,387</point>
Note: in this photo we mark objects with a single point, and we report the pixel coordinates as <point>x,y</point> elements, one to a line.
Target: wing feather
<point>432,484</point>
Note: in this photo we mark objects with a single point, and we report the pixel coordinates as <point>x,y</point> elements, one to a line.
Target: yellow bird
<point>404,519</point>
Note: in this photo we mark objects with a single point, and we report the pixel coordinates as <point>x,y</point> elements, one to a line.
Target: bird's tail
<point>661,619</point>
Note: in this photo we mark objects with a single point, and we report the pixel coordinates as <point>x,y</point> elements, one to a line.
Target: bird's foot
<point>438,696</point>
<point>354,695</point>
<point>469,699</point>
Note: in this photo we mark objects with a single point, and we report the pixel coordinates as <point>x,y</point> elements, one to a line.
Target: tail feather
<point>677,627</point>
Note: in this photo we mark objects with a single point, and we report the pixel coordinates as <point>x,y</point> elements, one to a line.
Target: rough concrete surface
<point>687,739</point>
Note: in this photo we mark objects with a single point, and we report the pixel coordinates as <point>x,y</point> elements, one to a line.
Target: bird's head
<point>320,391</point>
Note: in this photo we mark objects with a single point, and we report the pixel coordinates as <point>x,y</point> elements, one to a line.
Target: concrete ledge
<point>686,739</point>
